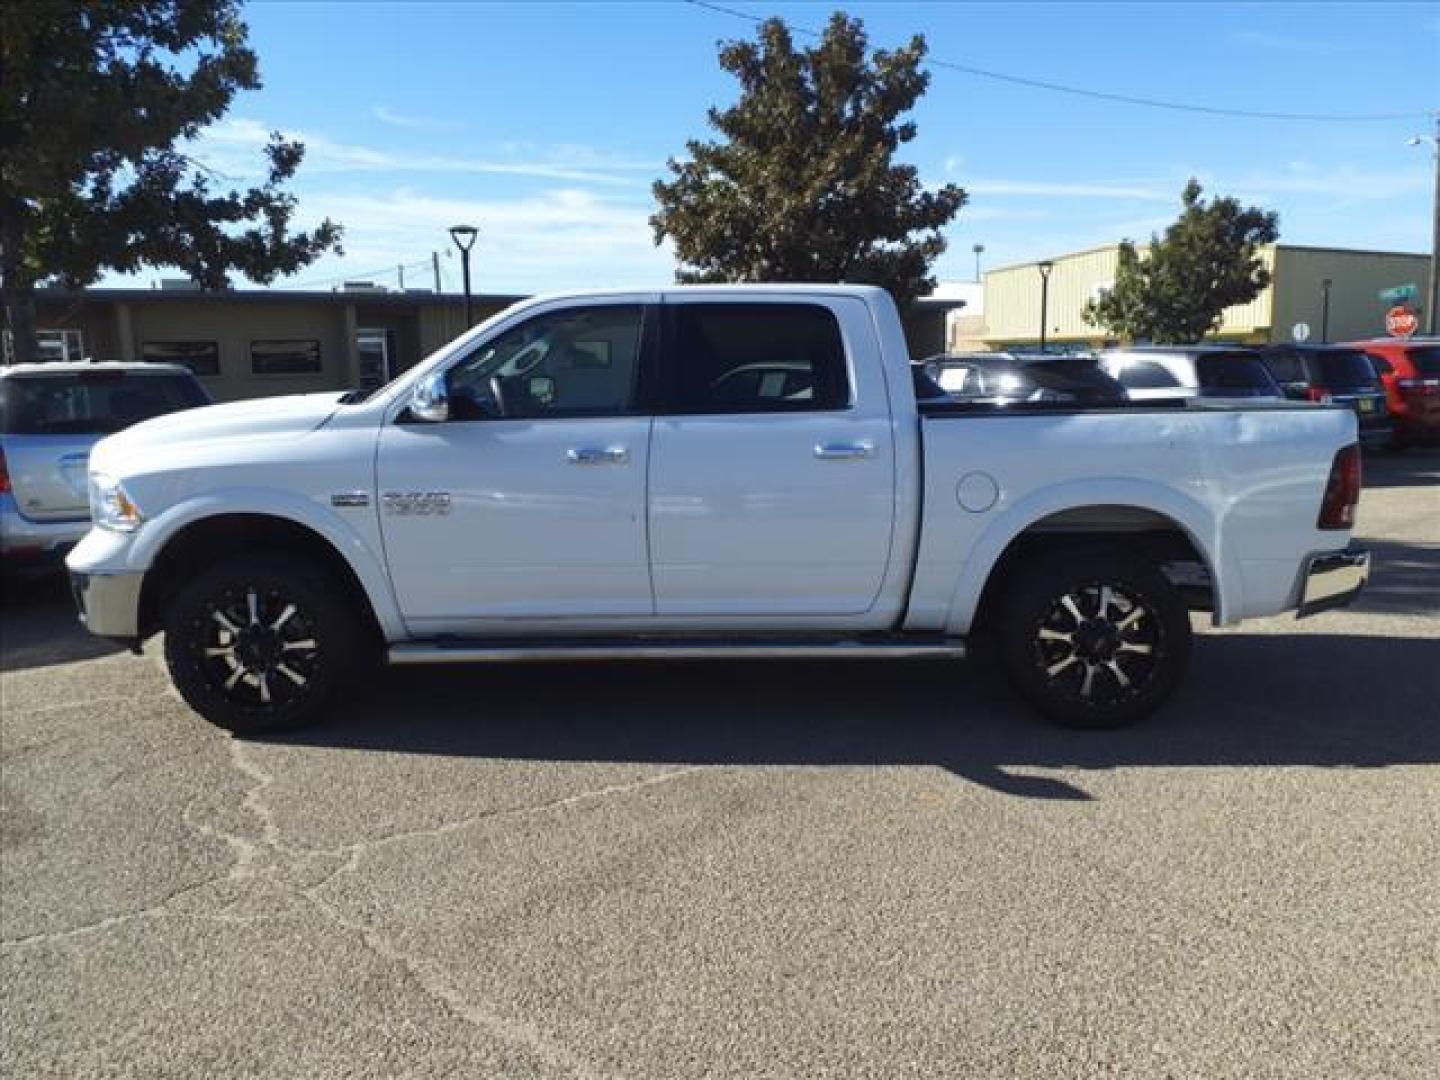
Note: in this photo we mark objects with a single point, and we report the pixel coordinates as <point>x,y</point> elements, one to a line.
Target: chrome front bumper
<point>1333,580</point>
<point>109,604</point>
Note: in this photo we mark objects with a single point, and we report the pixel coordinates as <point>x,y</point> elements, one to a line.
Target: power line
<point>356,275</point>
<point>1097,95</point>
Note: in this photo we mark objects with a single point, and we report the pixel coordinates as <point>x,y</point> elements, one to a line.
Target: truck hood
<point>295,414</point>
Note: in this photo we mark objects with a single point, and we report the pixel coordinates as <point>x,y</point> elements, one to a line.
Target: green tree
<point>804,185</point>
<point>1178,288</point>
<point>96,100</point>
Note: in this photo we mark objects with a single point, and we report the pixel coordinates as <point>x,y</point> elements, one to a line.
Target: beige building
<point>258,343</point>
<point>1296,294</point>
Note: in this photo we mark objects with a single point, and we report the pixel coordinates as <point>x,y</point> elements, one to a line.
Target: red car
<point>1410,370</point>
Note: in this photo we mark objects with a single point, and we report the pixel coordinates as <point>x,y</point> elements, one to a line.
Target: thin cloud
<point>231,147</point>
<point>387,115</point>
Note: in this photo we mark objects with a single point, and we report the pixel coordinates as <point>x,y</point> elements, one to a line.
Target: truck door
<point>772,473</point>
<point>529,502</point>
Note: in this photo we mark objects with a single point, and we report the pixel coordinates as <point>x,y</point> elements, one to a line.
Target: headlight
<point>111,507</point>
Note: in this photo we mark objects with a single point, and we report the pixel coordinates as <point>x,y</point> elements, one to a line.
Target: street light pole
<point>1325,311</point>
<point>464,237</point>
<point>1434,141</point>
<point>978,249</point>
<point>1044,268</point>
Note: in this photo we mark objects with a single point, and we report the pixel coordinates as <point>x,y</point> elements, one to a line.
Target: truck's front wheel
<point>260,643</point>
<point>1094,639</point>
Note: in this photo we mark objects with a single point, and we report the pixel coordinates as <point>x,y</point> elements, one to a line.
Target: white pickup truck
<point>711,471</point>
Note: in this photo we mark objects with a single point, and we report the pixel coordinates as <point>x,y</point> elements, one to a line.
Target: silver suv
<point>50,417</point>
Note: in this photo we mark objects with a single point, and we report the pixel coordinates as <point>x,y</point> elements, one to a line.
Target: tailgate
<point>48,475</point>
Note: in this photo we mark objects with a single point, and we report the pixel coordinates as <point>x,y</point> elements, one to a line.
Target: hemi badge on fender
<point>350,498</point>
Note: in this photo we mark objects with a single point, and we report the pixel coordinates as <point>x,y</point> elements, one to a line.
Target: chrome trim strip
<point>1333,580</point>
<point>350,498</point>
<point>505,653</point>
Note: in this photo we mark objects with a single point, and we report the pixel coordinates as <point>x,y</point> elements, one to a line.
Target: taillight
<point>4,474</point>
<point>1342,490</point>
<point>1318,393</point>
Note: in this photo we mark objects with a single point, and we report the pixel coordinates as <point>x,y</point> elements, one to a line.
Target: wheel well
<point>204,543</point>
<point>1146,533</point>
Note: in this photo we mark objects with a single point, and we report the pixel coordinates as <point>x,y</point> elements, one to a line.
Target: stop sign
<point>1400,321</point>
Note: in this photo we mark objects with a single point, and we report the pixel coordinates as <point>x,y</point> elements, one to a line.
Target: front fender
<point>1192,517</point>
<point>341,534</point>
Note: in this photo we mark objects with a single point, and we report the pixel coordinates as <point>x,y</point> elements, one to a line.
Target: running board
<point>463,651</point>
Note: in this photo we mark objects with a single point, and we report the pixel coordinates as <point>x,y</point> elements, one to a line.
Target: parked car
<point>613,487</point>
<point>1334,374</point>
<point>1008,377</point>
<point>1151,372</point>
<point>50,416</point>
<point>1409,369</point>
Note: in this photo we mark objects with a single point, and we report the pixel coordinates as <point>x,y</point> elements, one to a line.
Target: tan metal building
<point>247,344</point>
<point>1296,294</point>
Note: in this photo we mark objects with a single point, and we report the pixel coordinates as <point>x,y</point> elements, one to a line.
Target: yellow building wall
<point>1012,302</point>
<point>1356,277</point>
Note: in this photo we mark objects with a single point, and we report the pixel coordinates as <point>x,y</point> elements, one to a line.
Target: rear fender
<point>1190,516</point>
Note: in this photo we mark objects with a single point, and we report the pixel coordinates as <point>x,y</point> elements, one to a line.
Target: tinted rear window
<point>1426,360</point>
<point>1145,375</point>
<point>1241,373</point>
<point>747,358</point>
<point>91,404</point>
<point>1345,370</point>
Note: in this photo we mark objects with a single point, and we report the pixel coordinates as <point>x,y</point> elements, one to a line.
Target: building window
<point>51,346</point>
<point>297,357</point>
<point>201,357</point>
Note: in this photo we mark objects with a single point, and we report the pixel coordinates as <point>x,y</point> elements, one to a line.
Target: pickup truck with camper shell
<point>711,471</point>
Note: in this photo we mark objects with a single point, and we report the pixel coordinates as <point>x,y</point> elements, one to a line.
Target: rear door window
<point>757,358</point>
<point>1144,375</point>
<point>1234,373</point>
<point>1285,366</point>
<point>91,403</point>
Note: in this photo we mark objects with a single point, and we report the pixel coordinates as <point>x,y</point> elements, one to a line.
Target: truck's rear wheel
<point>260,643</point>
<point>1094,639</point>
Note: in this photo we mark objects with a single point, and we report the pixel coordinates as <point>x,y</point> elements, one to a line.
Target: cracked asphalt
<point>787,870</point>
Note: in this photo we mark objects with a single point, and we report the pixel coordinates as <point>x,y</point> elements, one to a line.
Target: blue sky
<point>544,124</point>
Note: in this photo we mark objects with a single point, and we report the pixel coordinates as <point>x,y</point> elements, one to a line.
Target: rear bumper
<point>27,544</point>
<point>109,604</point>
<point>1333,580</point>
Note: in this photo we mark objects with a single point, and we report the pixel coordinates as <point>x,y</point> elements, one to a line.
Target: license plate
<point>1367,405</point>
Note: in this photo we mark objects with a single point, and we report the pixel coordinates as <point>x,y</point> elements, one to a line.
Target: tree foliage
<point>1177,290</point>
<point>804,185</point>
<point>97,101</point>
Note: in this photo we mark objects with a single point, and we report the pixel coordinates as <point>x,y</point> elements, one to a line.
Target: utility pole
<point>401,270</point>
<point>435,265</point>
<point>1325,311</point>
<point>1433,301</point>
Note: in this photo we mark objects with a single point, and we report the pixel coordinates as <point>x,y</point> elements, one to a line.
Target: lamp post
<point>1044,267</point>
<point>1434,302</point>
<point>978,249</point>
<point>1325,311</point>
<point>464,237</point>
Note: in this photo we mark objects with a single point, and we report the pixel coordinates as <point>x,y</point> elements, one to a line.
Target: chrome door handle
<point>845,451</point>
<point>598,455</point>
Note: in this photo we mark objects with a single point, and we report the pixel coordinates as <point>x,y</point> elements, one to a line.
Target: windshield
<point>1237,373</point>
<point>91,403</point>
<point>1346,369</point>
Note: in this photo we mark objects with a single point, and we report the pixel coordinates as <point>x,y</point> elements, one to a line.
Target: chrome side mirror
<point>430,400</point>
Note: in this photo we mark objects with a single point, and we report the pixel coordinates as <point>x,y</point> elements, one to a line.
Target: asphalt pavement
<point>740,869</point>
